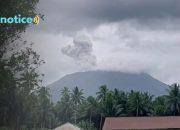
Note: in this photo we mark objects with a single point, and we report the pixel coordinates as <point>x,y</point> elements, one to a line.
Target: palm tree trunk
<point>100,122</point>
<point>75,117</point>
<point>75,114</point>
<point>137,111</point>
<point>18,123</point>
<point>90,117</point>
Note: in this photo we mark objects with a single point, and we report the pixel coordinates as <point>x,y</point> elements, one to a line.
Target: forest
<point>25,104</point>
<point>27,107</point>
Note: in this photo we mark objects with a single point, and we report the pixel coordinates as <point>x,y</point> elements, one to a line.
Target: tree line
<point>90,112</point>
<point>33,109</point>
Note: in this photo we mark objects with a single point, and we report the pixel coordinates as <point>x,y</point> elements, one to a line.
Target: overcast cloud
<point>124,35</point>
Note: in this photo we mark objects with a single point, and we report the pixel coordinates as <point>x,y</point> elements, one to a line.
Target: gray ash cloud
<point>81,50</point>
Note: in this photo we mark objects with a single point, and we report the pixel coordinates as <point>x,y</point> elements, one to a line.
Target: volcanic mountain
<point>90,82</point>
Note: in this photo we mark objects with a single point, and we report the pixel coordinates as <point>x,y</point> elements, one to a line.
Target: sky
<point>134,36</point>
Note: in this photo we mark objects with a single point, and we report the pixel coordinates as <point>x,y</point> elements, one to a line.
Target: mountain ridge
<point>90,81</point>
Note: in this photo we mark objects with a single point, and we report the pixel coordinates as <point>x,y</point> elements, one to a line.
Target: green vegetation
<point>91,111</point>
<point>35,109</point>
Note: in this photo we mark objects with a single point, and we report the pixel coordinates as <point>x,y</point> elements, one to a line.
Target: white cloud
<point>124,46</point>
<point>128,48</point>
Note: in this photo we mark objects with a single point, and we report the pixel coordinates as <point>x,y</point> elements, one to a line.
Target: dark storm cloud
<point>125,35</point>
<point>73,15</point>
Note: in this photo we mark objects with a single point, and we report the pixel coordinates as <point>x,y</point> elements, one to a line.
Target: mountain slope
<point>91,81</point>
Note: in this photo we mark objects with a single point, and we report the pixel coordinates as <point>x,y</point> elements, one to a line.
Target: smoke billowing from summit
<point>81,50</point>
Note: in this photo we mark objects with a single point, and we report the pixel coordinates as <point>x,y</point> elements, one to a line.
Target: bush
<point>5,128</point>
<point>40,129</point>
<point>86,125</point>
<point>22,128</point>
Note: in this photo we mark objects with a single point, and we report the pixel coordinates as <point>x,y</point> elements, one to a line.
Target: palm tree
<point>44,106</point>
<point>93,107</point>
<point>64,106</point>
<point>159,106</point>
<point>90,109</point>
<point>109,106</point>
<point>120,102</point>
<point>102,94</point>
<point>77,98</point>
<point>65,92</point>
<point>77,95</point>
<point>140,104</point>
<point>173,99</point>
